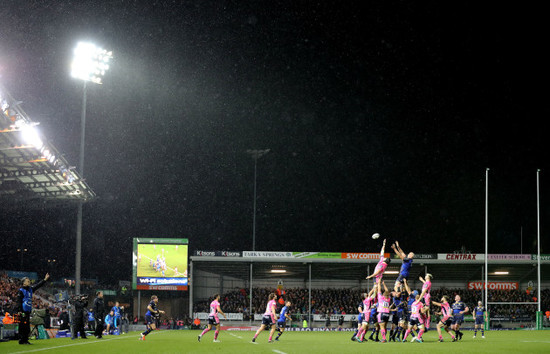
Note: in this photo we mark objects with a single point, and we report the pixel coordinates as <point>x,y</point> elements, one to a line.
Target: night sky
<point>380,116</point>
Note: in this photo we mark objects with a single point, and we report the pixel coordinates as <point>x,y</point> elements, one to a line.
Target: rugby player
<point>480,317</point>
<point>384,300</point>
<point>365,315</point>
<point>151,315</point>
<point>445,320</point>
<point>269,317</point>
<point>405,265</point>
<point>459,309</point>
<point>381,266</point>
<point>417,319</point>
<point>426,288</point>
<point>213,319</point>
<point>281,322</point>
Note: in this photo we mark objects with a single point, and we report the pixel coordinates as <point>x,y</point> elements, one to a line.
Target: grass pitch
<point>180,341</point>
<point>175,256</point>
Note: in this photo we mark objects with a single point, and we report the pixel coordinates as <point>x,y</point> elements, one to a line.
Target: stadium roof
<point>32,172</point>
<point>354,271</point>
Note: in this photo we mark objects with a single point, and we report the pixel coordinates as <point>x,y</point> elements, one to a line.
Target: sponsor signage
<point>365,256</point>
<point>420,256</point>
<point>509,257</point>
<point>217,253</point>
<point>543,257</point>
<point>317,254</point>
<point>461,256</point>
<point>494,285</point>
<point>154,283</point>
<point>259,254</point>
<point>230,316</point>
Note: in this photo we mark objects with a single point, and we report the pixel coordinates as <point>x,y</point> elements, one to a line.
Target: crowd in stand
<point>345,301</point>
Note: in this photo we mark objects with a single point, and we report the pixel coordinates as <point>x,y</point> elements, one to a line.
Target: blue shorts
<point>266,320</point>
<point>479,320</point>
<point>360,318</point>
<point>149,319</point>
<point>401,277</point>
<point>458,319</point>
<point>281,324</point>
<point>373,318</point>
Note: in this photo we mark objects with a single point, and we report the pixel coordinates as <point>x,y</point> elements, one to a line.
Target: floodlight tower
<point>255,154</point>
<point>89,65</point>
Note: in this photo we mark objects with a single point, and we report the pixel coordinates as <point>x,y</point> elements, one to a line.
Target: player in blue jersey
<point>398,314</point>
<point>405,265</point>
<point>151,315</point>
<point>459,309</point>
<point>480,317</point>
<point>284,315</point>
<point>409,301</point>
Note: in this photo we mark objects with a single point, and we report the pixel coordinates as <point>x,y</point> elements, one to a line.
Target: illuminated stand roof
<point>32,171</point>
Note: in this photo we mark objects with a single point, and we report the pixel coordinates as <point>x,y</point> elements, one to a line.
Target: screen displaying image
<point>160,264</point>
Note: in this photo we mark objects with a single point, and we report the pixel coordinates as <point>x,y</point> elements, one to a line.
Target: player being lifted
<point>269,317</point>
<point>445,321</point>
<point>405,265</point>
<point>381,266</point>
<point>151,316</point>
<point>283,316</point>
<point>213,319</point>
<point>480,317</point>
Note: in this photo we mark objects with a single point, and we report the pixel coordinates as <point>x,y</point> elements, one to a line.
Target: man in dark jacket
<point>80,303</point>
<point>24,307</point>
<point>99,313</point>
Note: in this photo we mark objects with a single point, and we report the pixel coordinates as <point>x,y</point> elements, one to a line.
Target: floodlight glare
<point>30,136</point>
<point>90,62</point>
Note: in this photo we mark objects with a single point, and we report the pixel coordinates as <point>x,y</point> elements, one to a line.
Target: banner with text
<point>543,257</point>
<point>366,256</point>
<point>217,253</point>
<point>230,316</point>
<point>494,285</point>
<point>461,256</point>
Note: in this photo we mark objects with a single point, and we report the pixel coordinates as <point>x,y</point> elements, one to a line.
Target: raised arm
<point>397,252</point>
<point>383,248</point>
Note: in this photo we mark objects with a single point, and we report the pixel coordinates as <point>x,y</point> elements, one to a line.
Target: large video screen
<point>160,264</point>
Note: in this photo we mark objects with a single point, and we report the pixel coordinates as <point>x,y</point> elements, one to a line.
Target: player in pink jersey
<point>381,266</point>
<point>417,319</point>
<point>368,300</point>
<point>384,300</point>
<point>426,287</point>
<point>446,317</point>
<point>269,318</point>
<point>213,319</point>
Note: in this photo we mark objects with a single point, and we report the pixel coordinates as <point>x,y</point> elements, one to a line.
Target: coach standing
<point>99,313</point>
<point>24,307</point>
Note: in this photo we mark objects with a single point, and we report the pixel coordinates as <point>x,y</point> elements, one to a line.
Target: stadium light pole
<point>89,65</point>
<point>255,154</point>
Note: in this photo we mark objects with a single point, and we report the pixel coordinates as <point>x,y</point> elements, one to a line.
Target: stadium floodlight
<point>278,271</point>
<point>30,136</point>
<point>391,272</point>
<point>502,273</point>
<point>90,62</point>
<point>89,65</point>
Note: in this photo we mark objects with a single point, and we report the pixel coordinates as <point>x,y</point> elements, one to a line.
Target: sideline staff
<point>24,306</point>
